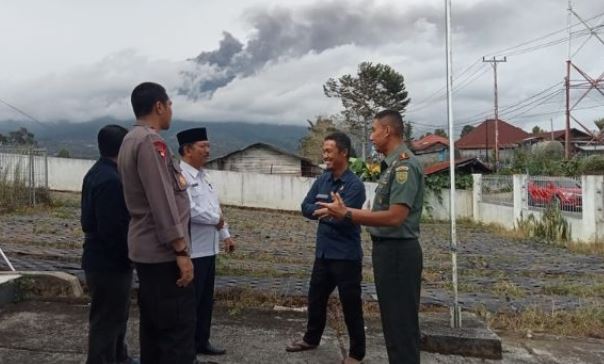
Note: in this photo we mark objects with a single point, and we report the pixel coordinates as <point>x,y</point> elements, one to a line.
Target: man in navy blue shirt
<point>338,258</point>
<point>105,259</point>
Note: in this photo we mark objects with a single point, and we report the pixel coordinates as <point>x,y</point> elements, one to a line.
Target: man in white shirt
<point>207,228</point>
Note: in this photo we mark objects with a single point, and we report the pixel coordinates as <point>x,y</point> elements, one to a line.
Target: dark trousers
<point>205,271</point>
<point>346,275</point>
<point>167,315</point>
<point>108,317</point>
<point>397,268</point>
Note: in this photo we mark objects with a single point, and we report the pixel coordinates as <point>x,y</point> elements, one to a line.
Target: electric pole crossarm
<point>593,84</point>
<point>591,30</point>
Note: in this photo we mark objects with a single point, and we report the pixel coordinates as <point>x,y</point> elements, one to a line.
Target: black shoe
<point>130,360</point>
<point>209,349</point>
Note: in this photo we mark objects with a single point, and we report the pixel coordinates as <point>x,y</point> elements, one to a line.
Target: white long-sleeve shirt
<point>205,213</point>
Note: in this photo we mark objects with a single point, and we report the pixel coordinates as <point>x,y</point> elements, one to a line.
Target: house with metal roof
<point>480,142</point>
<point>431,149</point>
<point>267,159</point>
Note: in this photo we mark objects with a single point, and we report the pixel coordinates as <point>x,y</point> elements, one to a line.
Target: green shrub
<point>552,227</point>
<point>592,165</point>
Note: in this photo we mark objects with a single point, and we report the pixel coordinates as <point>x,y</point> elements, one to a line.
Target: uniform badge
<point>182,181</point>
<point>403,156</point>
<point>161,148</point>
<point>401,174</point>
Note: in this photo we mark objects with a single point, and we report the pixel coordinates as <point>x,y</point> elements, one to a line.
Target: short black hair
<point>181,148</point>
<point>110,139</point>
<point>393,118</point>
<point>144,97</point>
<point>342,141</point>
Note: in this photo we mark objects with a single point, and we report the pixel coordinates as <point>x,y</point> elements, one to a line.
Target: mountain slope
<point>80,138</point>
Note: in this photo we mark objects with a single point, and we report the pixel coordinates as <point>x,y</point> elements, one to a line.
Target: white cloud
<point>288,87</point>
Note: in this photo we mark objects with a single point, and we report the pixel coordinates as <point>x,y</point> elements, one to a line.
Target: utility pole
<point>593,83</point>
<point>551,127</point>
<point>567,83</point>
<point>456,309</point>
<point>494,62</point>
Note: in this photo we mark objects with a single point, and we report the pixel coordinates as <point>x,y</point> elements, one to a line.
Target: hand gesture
<point>229,245</point>
<point>336,209</point>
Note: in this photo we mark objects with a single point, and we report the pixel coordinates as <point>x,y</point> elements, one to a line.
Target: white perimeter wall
<point>287,192</point>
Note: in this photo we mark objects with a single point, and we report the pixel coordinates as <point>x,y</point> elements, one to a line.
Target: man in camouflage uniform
<point>394,221</point>
<point>158,236</point>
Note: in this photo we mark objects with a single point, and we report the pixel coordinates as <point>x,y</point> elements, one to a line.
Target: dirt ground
<point>538,296</point>
<point>55,332</point>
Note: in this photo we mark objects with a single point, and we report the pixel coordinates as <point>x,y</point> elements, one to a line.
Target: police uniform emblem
<point>401,174</point>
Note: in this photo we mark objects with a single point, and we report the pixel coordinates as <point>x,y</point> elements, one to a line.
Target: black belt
<point>380,239</point>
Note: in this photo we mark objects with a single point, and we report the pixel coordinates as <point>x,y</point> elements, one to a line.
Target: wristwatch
<point>348,216</point>
<point>182,253</point>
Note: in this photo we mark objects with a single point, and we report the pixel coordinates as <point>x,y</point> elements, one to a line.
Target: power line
<point>562,30</point>
<point>14,108</point>
<point>514,50</point>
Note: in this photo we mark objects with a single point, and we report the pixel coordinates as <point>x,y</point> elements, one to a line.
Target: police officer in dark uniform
<point>394,221</point>
<point>158,236</point>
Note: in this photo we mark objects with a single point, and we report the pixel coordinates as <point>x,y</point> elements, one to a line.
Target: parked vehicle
<point>564,193</point>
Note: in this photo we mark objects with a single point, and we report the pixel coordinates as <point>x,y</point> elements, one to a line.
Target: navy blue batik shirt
<point>336,239</point>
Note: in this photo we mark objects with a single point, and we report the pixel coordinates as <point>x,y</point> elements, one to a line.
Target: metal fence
<point>562,192</point>
<point>498,190</point>
<point>23,176</point>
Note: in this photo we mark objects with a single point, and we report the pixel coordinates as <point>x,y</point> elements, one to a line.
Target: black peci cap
<point>191,136</point>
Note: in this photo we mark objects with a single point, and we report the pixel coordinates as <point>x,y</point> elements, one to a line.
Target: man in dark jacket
<point>338,255</point>
<point>105,259</point>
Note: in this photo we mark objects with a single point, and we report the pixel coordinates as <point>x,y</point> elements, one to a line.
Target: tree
<point>311,145</point>
<point>21,137</point>
<point>599,123</point>
<point>63,153</point>
<point>374,87</point>
<point>537,129</point>
<point>466,130</point>
<point>441,132</point>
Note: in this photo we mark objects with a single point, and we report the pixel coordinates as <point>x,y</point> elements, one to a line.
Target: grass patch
<point>586,321</point>
<point>231,267</point>
<point>583,290</point>
<point>461,286</point>
<point>596,248</point>
<point>508,289</point>
<point>239,299</point>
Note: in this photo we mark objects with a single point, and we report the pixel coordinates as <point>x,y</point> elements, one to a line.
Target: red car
<point>565,193</point>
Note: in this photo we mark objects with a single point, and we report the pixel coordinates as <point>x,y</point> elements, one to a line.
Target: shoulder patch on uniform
<point>161,148</point>
<point>401,174</point>
<point>403,156</point>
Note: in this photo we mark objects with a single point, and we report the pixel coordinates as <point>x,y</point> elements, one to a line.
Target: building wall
<point>67,174</point>
<point>504,154</point>
<point>586,227</point>
<point>259,160</point>
<point>287,192</point>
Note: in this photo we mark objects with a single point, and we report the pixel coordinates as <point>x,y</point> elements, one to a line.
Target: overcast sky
<point>264,61</point>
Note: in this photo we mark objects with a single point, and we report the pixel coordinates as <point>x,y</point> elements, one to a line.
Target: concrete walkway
<point>55,332</point>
